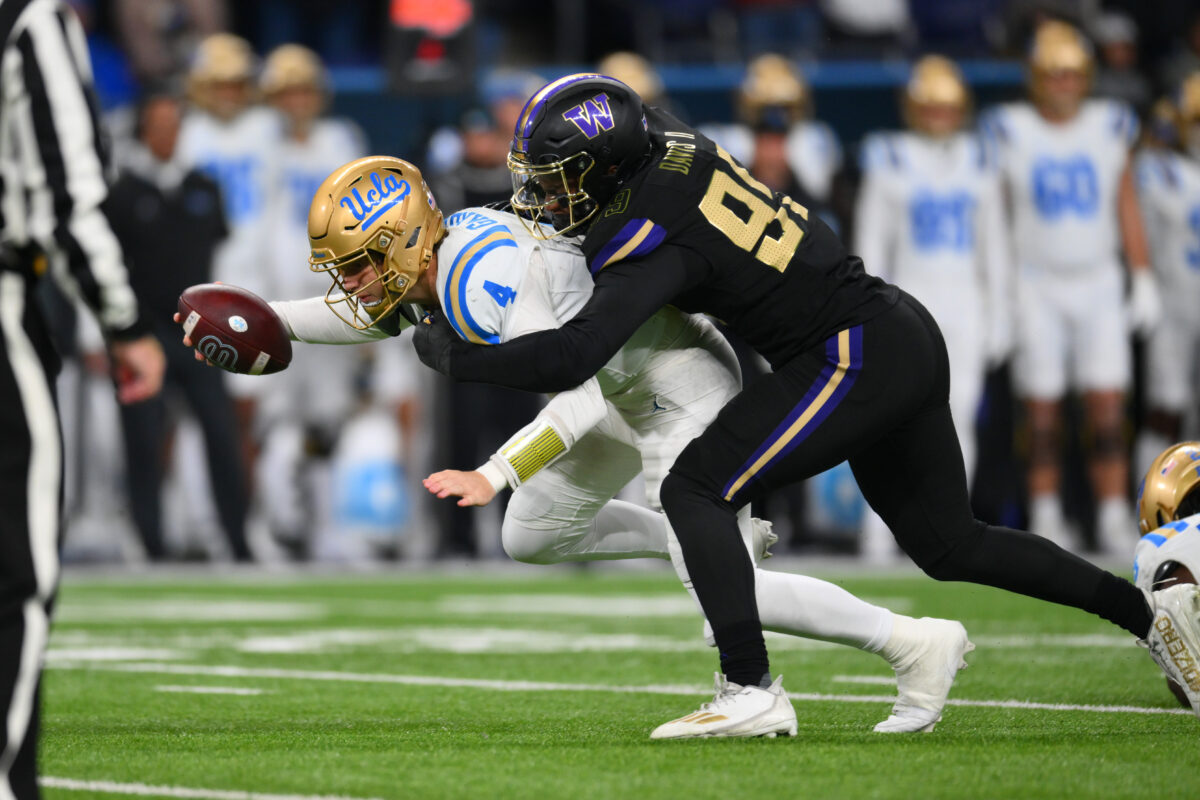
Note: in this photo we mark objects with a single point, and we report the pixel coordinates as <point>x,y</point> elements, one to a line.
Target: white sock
<point>816,609</point>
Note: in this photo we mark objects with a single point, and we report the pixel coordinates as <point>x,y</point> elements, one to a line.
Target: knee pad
<point>1107,440</point>
<point>1044,444</point>
<point>527,545</point>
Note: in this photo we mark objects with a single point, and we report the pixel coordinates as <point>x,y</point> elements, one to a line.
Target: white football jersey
<point>929,212</point>
<point>1062,181</point>
<point>1169,195</point>
<point>302,167</point>
<point>496,282</point>
<point>813,151</point>
<point>241,156</point>
<point>1175,541</point>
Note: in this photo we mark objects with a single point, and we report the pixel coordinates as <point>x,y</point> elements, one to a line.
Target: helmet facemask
<point>375,289</point>
<point>552,194</point>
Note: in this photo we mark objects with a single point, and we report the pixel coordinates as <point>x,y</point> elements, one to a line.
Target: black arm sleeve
<point>626,295</point>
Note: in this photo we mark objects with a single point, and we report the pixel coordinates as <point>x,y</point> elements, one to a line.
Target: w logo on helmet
<point>220,353</point>
<point>591,116</point>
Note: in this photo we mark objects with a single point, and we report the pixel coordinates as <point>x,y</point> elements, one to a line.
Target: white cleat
<point>763,539</point>
<point>1174,638</point>
<point>741,711</point>
<point>927,654</point>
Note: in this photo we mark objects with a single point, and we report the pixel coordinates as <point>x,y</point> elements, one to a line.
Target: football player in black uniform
<point>859,372</point>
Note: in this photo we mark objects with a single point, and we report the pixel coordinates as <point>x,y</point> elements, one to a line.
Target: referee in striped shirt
<point>52,182</point>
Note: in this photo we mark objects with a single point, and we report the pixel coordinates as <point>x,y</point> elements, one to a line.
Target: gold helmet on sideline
<point>1187,113</point>
<point>1058,47</point>
<point>292,66</point>
<point>636,73</point>
<point>936,86</point>
<point>221,58</point>
<point>1171,478</point>
<point>772,85</point>
<point>376,213</point>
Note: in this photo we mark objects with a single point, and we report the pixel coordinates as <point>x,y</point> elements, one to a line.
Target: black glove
<point>435,341</point>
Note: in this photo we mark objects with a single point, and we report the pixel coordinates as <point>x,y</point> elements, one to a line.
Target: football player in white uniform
<point>301,410</point>
<point>1169,191</point>
<point>930,218</point>
<point>376,230</point>
<point>778,133</point>
<point>1169,517</point>
<point>234,142</point>
<point>1065,161</point>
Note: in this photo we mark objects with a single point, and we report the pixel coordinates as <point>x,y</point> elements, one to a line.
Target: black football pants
<point>876,394</point>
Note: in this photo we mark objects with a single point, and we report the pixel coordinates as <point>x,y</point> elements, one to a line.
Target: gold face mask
<point>373,226</point>
<point>551,193</point>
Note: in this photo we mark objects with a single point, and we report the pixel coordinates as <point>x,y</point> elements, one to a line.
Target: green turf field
<point>545,683</point>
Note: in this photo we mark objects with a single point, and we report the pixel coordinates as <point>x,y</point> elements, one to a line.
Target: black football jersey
<point>774,273</point>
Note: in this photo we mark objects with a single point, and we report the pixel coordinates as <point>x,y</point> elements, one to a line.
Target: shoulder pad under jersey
<point>480,266</point>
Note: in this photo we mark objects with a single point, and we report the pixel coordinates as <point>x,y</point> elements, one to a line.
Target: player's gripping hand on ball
<point>472,487</point>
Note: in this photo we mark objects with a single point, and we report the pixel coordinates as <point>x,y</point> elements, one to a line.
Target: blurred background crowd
<point>225,117</point>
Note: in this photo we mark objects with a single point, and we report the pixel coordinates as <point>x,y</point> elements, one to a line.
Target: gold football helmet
<point>636,73</point>
<point>772,85</point>
<point>373,226</point>
<point>1188,114</point>
<point>221,60</point>
<point>290,66</point>
<point>1171,478</point>
<point>936,99</point>
<point>1058,48</point>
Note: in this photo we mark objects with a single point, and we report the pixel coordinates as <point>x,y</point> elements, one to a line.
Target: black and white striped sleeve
<point>57,139</point>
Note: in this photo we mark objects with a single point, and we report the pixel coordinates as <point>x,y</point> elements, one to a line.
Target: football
<point>234,329</point>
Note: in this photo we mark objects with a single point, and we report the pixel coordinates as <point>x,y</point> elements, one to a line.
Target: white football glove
<point>1145,302</point>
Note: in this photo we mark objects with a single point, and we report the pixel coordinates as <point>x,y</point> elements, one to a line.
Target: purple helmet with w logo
<point>577,139</point>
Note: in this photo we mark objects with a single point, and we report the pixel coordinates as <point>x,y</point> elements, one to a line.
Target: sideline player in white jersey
<point>930,218</point>
<point>1169,191</point>
<point>1169,517</point>
<point>376,230</point>
<point>301,410</point>
<point>1065,161</point>
<point>235,143</point>
<point>775,107</point>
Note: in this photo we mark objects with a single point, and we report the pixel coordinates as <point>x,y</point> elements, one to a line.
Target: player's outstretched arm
<point>626,295</point>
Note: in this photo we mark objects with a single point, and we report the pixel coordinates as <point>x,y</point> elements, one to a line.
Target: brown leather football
<point>234,329</point>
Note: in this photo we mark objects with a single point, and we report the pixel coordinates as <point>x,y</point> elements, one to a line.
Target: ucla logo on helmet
<point>591,116</point>
<point>368,208</point>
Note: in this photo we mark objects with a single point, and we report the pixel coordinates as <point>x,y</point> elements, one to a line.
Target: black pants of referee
<point>876,394</point>
<point>30,499</point>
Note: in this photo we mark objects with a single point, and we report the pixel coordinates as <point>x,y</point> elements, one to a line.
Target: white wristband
<point>494,476</point>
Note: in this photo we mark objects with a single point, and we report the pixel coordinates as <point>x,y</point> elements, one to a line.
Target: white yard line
<point>112,787</point>
<point>544,686</point>
<point>208,690</point>
<point>873,680</point>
